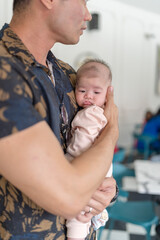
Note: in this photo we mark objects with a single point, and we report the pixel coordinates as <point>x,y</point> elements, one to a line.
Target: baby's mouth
<point>87,103</point>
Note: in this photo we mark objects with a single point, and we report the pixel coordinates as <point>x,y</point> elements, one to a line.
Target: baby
<point>93,79</point>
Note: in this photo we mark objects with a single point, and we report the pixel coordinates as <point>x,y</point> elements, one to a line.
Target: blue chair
<point>120,171</point>
<point>144,145</point>
<point>119,156</point>
<point>147,141</point>
<point>136,212</point>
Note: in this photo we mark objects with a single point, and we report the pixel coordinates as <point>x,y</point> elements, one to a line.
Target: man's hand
<point>111,113</point>
<point>110,109</point>
<point>103,195</point>
<point>100,199</point>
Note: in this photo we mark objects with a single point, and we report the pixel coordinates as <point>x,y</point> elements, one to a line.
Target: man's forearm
<point>33,161</point>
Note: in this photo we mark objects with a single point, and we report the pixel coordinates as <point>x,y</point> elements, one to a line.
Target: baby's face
<point>92,85</point>
<point>91,90</point>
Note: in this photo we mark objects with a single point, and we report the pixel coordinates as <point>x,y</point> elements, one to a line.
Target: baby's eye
<point>97,92</point>
<point>82,91</point>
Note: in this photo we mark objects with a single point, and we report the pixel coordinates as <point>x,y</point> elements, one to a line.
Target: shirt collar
<point>17,48</point>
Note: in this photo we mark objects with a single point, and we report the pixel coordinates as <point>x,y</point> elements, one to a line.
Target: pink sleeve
<point>86,126</point>
<point>77,229</point>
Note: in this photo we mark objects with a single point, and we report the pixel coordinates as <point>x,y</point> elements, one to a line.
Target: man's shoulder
<point>6,58</point>
<point>8,65</point>
<point>3,51</point>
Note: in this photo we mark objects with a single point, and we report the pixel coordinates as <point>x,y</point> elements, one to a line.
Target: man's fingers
<point>97,204</point>
<point>107,184</point>
<point>109,102</point>
<point>109,94</point>
<point>86,217</point>
<point>110,91</point>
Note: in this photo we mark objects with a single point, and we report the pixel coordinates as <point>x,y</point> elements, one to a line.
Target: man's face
<point>69,20</point>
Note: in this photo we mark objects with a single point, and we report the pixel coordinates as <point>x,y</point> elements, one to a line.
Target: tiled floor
<point>129,231</point>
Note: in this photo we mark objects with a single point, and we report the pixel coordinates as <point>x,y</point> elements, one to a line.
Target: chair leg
<point>146,151</point>
<point>111,225</point>
<point>148,231</point>
<point>100,232</point>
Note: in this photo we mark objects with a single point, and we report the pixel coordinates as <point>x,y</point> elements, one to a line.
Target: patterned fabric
<point>27,96</point>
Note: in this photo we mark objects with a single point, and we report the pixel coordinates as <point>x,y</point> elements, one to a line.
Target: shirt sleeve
<point>17,107</point>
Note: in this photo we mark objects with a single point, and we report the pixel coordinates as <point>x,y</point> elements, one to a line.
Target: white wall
<point>149,5</point>
<point>5,11</point>
<point>127,40</point>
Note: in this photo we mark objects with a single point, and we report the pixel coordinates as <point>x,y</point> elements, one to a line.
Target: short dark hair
<point>96,60</point>
<point>20,4</point>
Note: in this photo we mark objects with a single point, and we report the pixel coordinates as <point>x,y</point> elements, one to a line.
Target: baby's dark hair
<point>95,60</point>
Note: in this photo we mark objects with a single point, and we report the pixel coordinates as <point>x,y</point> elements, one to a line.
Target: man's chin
<point>72,42</point>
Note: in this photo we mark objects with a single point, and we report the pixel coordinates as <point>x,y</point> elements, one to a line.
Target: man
<point>38,187</point>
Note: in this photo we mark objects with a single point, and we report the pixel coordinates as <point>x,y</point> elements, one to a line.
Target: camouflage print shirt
<point>27,96</point>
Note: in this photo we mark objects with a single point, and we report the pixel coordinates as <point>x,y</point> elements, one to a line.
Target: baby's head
<point>93,79</point>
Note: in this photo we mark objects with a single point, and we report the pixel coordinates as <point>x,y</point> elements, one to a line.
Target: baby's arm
<point>86,126</point>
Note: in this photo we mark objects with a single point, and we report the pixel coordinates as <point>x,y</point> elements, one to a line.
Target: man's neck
<point>34,39</point>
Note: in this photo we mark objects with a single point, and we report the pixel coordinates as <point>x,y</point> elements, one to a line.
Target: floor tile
<point>115,235</point>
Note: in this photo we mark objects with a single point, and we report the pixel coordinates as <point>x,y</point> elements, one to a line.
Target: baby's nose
<point>88,95</point>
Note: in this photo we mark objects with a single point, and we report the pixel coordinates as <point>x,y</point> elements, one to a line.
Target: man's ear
<point>48,3</point>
